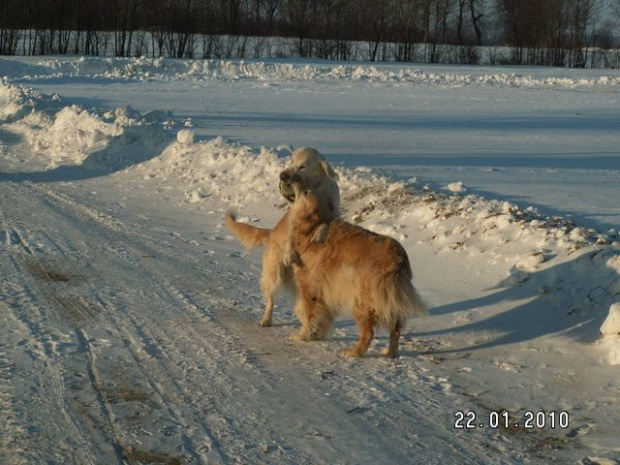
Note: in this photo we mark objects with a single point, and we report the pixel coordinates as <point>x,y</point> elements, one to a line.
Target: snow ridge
<point>273,70</point>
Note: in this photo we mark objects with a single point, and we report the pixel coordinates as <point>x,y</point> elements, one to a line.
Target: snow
<point>129,313</point>
<point>609,344</point>
<point>456,187</point>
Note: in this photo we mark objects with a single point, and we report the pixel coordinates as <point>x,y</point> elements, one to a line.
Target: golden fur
<point>352,268</point>
<point>307,164</point>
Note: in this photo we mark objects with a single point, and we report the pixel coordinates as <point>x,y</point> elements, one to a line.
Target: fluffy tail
<point>397,300</point>
<point>250,236</point>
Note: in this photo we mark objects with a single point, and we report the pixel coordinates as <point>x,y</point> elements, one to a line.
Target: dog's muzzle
<point>287,191</point>
<point>288,177</point>
<point>285,186</point>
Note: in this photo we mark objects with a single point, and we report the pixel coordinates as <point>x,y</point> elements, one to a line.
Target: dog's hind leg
<point>269,283</point>
<point>392,349</point>
<point>268,314</point>
<point>310,311</point>
<point>322,323</point>
<point>304,312</point>
<point>363,318</point>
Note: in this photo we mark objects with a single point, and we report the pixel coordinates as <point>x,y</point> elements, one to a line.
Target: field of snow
<point>129,314</point>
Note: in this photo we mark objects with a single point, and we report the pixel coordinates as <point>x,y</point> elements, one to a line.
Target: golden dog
<point>307,164</point>
<point>352,268</point>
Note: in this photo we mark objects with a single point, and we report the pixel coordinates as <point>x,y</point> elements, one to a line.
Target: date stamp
<point>502,420</point>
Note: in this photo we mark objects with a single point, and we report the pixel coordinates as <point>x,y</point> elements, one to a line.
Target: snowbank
<point>233,173</point>
<point>14,100</point>
<point>71,135</point>
<point>167,69</point>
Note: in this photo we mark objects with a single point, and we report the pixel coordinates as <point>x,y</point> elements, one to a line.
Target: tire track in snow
<point>122,451</point>
<point>10,429</point>
<point>70,208</point>
<point>44,347</point>
<point>11,237</point>
<point>26,295</point>
<point>38,324</point>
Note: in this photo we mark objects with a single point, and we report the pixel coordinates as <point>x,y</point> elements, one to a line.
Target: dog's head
<point>309,202</point>
<point>310,165</point>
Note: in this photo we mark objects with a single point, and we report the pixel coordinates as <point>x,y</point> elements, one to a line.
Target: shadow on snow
<point>571,299</point>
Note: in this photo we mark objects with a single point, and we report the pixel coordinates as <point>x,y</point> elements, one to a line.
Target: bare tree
<point>10,23</point>
<point>373,17</point>
<point>297,14</point>
<point>124,17</point>
<point>475,7</point>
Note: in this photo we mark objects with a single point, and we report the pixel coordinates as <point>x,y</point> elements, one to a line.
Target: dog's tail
<point>398,300</point>
<point>250,236</point>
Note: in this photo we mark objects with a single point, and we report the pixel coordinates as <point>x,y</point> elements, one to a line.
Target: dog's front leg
<point>290,255</point>
<point>301,309</point>
<point>268,314</point>
<point>304,308</point>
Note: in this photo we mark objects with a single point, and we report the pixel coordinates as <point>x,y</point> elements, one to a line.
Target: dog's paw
<point>301,336</point>
<point>320,235</point>
<point>390,352</point>
<point>265,322</point>
<point>350,353</point>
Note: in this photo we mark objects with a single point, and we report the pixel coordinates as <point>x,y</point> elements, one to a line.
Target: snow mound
<point>15,101</point>
<point>233,172</point>
<point>185,136</point>
<point>530,263</point>
<point>272,70</point>
<point>456,187</point>
<point>71,135</point>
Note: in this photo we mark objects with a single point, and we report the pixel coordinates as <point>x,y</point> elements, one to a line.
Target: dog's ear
<point>328,170</point>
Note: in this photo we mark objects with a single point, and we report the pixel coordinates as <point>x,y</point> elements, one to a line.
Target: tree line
<point>541,32</point>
